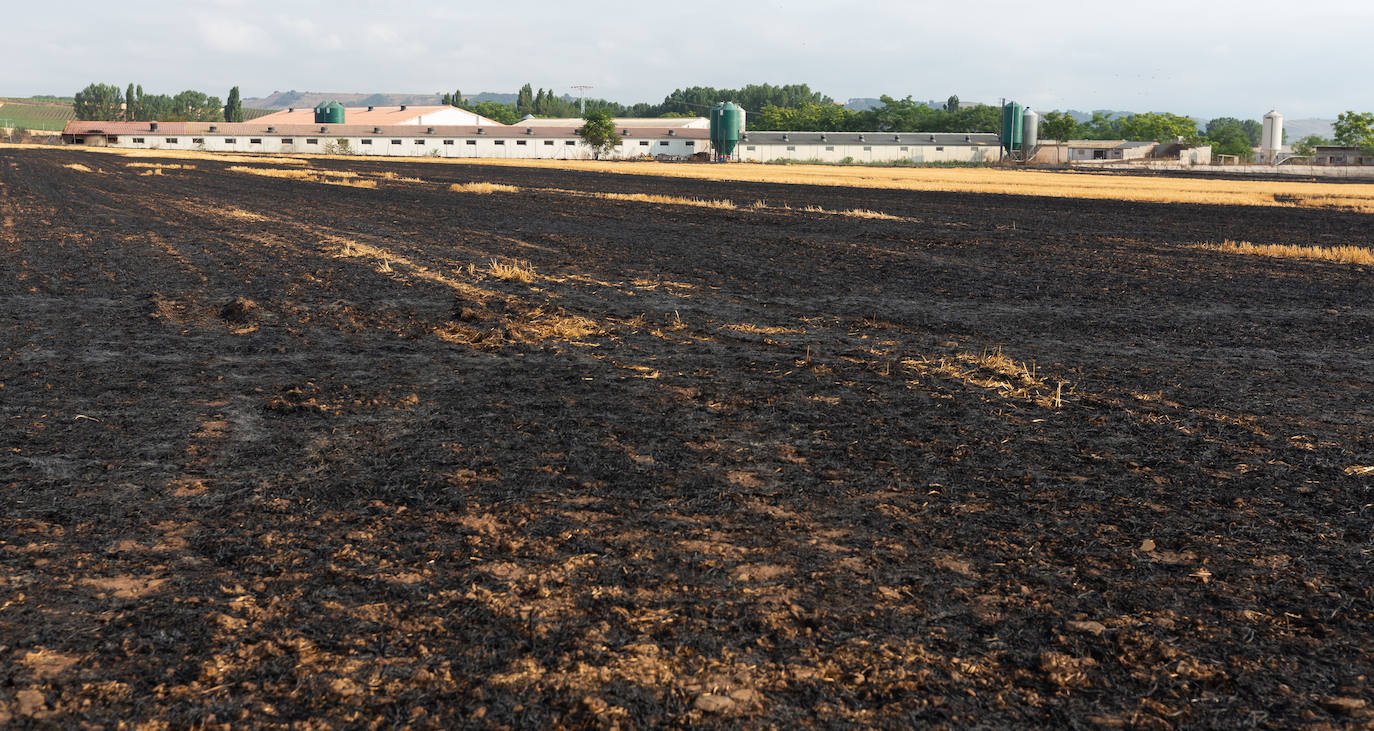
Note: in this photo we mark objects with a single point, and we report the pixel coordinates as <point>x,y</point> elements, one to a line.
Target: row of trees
<point>107,102</point>
<point>789,107</point>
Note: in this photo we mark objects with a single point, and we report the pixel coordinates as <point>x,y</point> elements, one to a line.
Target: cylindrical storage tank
<point>321,112</point>
<point>1271,136</point>
<point>741,119</point>
<point>730,126</point>
<point>1030,130</point>
<point>1011,126</point>
<point>715,122</point>
<point>335,113</point>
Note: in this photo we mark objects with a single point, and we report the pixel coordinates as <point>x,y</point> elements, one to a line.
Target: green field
<point>35,115</point>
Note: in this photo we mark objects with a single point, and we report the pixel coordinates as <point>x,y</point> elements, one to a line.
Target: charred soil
<point>281,451</point>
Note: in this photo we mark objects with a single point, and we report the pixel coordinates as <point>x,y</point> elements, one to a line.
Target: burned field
<point>357,448</point>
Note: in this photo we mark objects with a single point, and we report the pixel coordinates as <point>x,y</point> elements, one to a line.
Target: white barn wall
<point>768,152</point>
<point>390,145</point>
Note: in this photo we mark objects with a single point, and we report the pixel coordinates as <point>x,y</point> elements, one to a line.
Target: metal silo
<point>1271,138</point>
<point>334,113</point>
<point>731,123</point>
<point>1011,132</point>
<point>322,113</point>
<point>1030,130</point>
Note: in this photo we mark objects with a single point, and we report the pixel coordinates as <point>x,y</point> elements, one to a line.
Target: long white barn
<point>497,141</point>
<point>448,132</point>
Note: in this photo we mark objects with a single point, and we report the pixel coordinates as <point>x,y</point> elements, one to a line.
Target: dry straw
<point>514,270</point>
<point>1339,254</point>
<point>483,188</point>
<point>329,177</point>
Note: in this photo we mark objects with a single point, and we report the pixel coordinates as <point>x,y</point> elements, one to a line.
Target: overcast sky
<point>1203,58</point>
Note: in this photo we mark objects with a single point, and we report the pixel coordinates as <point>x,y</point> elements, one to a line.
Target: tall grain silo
<point>1030,131</point>
<point>1012,120</point>
<point>727,124</point>
<point>1271,139</point>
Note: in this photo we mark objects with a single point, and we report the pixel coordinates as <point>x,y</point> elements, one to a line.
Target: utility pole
<point>581,103</point>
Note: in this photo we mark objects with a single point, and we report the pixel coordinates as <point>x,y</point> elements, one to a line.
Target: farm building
<point>444,131</point>
<point>409,140</point>
<point>1089,150</point>
<point>380,116</point>
<point>1338,155</point>
<point>869,146</point>
<point>1058,153</point>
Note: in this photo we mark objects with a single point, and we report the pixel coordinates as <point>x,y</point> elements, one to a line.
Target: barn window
<point>691,143</point>
<point>367,142</point>
<point>395,142</point>
<point>311,141</point>
<point>830,148</point>
<point>791,148</point>
<point>868,149</point>
<point>230,140</point>
<point>643,143</point>
<point>939,149</point>
<point>472,142</point>
<point>750,148</point>
<point>419,142</point>
<point>287,141</point>
<point>548,142</point>
<point>570,142</point>
<point>137,140</point>
<point>903,149</point>
<point>197,140</point>
<point>500,142</point>
<point>171,140</point>
<point>112,138</point>
<point>519,142</point>
<point>664,143</point>
<point>448,142</point>
<point>255,141</point>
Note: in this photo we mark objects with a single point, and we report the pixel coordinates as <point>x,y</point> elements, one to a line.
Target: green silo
<point>1013,119</point>
<point>726,121</point>
<point>334,113</point>
<point>322,113</point>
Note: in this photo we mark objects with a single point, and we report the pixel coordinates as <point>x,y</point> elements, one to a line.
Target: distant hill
<point>293,98</point>
<point>298,99</point>
<point>1296,129</point>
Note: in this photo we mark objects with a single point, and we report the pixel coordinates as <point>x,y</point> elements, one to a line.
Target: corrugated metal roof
<point>869,138</point>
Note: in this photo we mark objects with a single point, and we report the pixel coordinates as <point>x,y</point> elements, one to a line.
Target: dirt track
<point>273,453</point>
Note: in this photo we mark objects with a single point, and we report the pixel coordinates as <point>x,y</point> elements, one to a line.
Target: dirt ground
<point>282,452</point>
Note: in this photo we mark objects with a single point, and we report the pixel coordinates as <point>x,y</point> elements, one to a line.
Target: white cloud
<point>229,35</point>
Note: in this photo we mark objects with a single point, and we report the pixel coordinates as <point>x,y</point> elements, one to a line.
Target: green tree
<point>130,104</point>
<point>1307,146</point>
<point>1059,126</point>
<point>808,117</point>
<point>495,111</point>
<point>99,102</point>
<point>524,101</point>
<point>952,104</point>
<point>1159,127</point>
<point>598,132</point>
<point>1102,126</point>
<point>1355,129</point>
<point>233,109</point>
